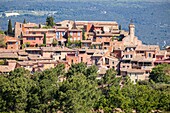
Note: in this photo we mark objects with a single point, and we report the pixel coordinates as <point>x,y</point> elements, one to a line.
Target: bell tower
<point>132,31</point>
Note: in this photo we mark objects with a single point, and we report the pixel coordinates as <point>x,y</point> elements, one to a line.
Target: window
<point>149,55</point>
<point>94,46</point>
<point>33,32</point>
<point>78,33</point>
<point>10,43</point>
<point>100,36</point>
<point>112,62</point>
<point>42,32</point>
<point>147,72</point>
<point>62,33</point>
<point>71,33</point>
<point>127,56</point>
<point>130,56</point>
<point>106,60</point>
<point>30,38</point>
<point>57,35</point>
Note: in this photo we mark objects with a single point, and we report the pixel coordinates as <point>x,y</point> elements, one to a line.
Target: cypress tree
<point>120,27</point>
<point>44,41</point>
<point>83,34</point>
<point>24,21</point>
<point>10,32</point>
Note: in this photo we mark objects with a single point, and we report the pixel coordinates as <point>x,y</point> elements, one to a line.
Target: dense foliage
<point>78,90</point>
<point>161,73</point>
<point>1,32</point>
<point>2,41</point>
<point>50,21</point>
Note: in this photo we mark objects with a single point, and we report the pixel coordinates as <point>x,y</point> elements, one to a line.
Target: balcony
<point>136,66</point>
<point>56,54</point>
<point>147,67</point>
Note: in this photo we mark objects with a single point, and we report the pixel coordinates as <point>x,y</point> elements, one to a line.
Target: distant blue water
<point>152,19</point>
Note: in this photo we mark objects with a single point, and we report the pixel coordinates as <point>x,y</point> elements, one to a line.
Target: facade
<point>11,42</point>
<point>102,44</point>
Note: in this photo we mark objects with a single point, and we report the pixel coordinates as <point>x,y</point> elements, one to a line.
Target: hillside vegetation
<point>78,91</point>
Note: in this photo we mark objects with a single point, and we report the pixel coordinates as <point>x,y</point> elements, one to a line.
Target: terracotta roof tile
<point>30,25</point>
<point>8,55</point>
<point>133,70</point>
<point>147,48</point>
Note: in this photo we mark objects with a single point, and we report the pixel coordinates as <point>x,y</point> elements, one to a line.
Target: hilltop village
<point>102,43</point>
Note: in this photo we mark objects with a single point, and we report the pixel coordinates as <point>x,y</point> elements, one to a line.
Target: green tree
<point>4,85</point>
<point>10,32</point>
<point>77,95</point>
<point>161,73</point>
<point>109,76</point>
<point>60,69</point>
<point>14,91</point>
<point>91,72</point>
<point>24,22</point>
<point>76,69</point>
<point>2,42</point>
<point>27,44</point>
<point>1,32</point>
<point>120,27</point>
<point>83,34</point>
<point>50,21</point>
<point>18,72</point>
<point>55,42</point>
<point>69,43</point>
<point>42,92</point>
<point>44,40</point>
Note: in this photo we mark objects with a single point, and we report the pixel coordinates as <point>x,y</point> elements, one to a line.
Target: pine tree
<point>50,21</point>
<point>10,32</point>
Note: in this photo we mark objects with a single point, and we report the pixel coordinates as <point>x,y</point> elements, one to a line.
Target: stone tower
<point>132,31</point>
